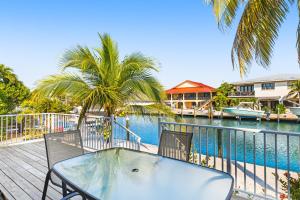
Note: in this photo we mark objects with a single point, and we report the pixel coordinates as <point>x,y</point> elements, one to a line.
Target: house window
<point>268,86</point>
<point>190,96</point>
<point>246,88</point>
<point>177,96</point>
<point>203,95</point>
<point>206,94</point>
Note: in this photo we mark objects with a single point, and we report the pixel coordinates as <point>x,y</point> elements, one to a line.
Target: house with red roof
<point>188,95</point>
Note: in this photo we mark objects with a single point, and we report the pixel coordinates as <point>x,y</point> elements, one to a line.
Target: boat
<point>244,111</point>
<point>295,111</point>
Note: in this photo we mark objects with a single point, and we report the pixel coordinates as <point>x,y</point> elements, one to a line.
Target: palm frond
<point>109,56</point>
<point>294,87</point>
<point>80,58</point>
<point>298,32</point>
<point>136,78</point>
<point>257,31</point>
<point>63,84</point>
<point>104,81</point>
<point>225,10</point>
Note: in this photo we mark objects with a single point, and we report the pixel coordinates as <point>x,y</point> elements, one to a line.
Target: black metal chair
<point>2,196</point>
<point>175,145</point>
<point>61,146</point>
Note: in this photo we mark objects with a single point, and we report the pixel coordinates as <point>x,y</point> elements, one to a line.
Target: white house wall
<point>281,89</point>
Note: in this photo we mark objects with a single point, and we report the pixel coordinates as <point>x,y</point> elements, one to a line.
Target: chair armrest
<point>70,195</point>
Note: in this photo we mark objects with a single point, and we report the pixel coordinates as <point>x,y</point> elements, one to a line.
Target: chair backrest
<point>175,145</point>
<point>62,146</point>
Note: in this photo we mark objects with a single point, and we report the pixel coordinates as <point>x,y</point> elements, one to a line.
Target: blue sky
<point>181,35</point>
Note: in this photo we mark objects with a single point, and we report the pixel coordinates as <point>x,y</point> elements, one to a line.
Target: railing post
<point>228,153</point>
<point>112,121</point>
<point>220,144</point>
<point>159,128</point>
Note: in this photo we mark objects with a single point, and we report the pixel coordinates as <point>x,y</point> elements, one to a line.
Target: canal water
<point>147,129</point>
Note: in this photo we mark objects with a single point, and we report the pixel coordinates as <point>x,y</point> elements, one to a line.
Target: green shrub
<point>280,108</point>
<point>294,186</point>
<point>266,109</point>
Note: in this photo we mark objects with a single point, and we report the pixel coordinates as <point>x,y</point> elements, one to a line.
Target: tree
<point>46,105</point>
<point>100,80</point>
<point>295,89</point>
<point>221,99</point>
<point>226,89</point>
<point>12,91</point>
<point>257,29</point>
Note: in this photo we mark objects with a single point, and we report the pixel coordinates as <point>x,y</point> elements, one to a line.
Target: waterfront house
<point>188,95</point>
<point>269,90</point>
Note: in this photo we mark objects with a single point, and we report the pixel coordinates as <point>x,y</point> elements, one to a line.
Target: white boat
<point>295,111</point>
<point>243,112</point>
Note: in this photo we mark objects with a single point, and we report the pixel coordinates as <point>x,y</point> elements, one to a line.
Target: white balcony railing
<point>97,132</point>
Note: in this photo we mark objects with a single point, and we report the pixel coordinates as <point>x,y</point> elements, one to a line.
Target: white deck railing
<point>257,159</point>
<point>98,132</point>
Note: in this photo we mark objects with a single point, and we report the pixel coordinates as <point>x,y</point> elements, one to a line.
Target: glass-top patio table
<point>123,174</point>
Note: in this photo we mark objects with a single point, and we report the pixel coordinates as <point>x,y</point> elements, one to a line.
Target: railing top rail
<point>132,133</point>
<point>27,114</point>
<point>281,132</point>
<point>212,126</point>
<point>97,117</point>
<point>236,129</point>
<point>63,114</point>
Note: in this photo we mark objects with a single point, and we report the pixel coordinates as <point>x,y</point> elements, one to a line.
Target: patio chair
<point>61,146</point>
<point>175,145</point>
<point>2,196</point>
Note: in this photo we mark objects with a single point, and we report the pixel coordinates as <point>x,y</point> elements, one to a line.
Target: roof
<point>272,78</point>
<point>193,87</point>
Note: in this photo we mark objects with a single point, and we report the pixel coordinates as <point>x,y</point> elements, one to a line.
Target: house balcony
<point>242,94</point>
<point>189,99</point>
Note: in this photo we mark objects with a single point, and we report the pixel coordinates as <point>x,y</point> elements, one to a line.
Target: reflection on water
<point>147,129</point>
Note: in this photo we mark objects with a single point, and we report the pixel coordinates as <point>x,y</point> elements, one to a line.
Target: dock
<point>219,115</point>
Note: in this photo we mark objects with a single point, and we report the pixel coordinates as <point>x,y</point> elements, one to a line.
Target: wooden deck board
<point>7,194</point>
<point>37,182</point>
<point>12,187</point>
<point>23,170</point>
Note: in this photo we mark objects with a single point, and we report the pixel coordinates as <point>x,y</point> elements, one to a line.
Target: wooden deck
<point>23,170</point>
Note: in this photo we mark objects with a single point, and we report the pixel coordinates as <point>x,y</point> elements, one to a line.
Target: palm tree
<point>295,90</point>
<point>257,29</point>
<point>99,80</point>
